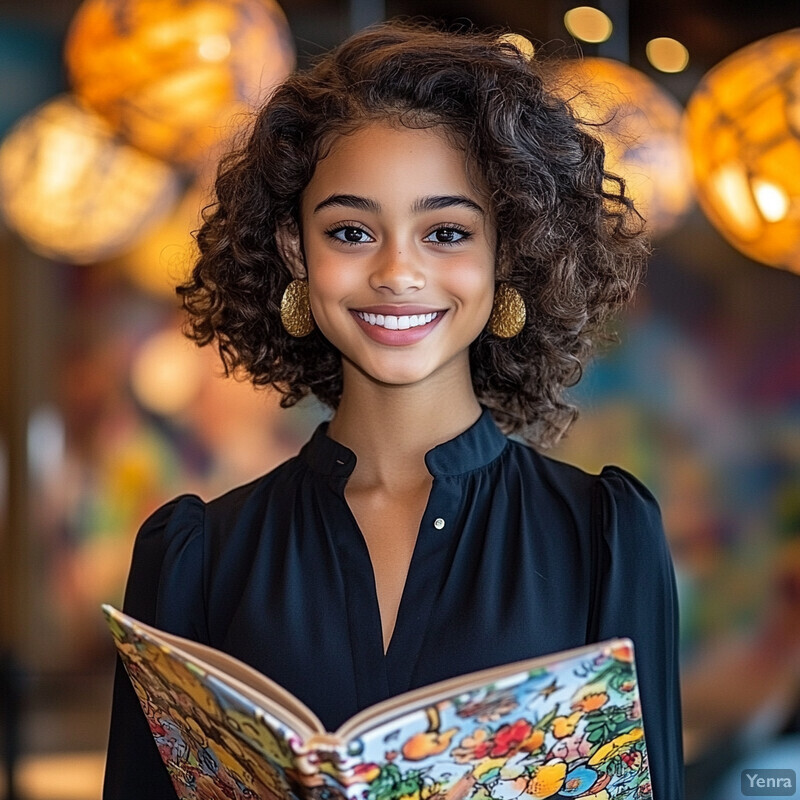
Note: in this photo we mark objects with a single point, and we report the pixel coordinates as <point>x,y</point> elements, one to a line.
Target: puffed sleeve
<point>638,599</point>
<point>165,589</point>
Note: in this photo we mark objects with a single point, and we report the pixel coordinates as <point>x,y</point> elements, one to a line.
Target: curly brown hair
<point>569,239</point>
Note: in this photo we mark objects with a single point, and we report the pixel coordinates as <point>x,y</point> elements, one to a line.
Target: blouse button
<point>438,523</point>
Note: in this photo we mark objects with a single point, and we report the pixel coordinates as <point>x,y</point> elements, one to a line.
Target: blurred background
<point>112,113</point>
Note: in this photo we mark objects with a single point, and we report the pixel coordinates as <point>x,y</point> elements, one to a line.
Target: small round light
<point>771,199</point>
<point>525,46</point>
<point>215,47</point>
<point>166,373</point>
<point>588,24</point>
<point>667,55</point>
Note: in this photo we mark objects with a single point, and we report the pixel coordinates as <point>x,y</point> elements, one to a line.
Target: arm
<point>638,599</point>
<point>164,589</point>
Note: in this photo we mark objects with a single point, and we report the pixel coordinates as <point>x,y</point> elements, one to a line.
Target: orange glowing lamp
<point>640,125</point>
<point>176,77</point>
<point>743,129</point>
<point>73,191</point>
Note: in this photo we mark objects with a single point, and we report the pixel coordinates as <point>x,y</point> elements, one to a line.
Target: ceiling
<point>711,29</point>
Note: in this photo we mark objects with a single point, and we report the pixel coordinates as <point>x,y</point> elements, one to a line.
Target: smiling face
<point>399,249</point>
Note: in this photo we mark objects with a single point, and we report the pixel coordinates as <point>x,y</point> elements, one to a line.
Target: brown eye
<point>447,236</point>
<point>353,235</point>
<point>349,234</point>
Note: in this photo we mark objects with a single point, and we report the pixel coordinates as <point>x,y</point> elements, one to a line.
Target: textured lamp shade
<point>640,126</point>
<point>174,76</point>
<point>743,129</point>
<point>72,191</point>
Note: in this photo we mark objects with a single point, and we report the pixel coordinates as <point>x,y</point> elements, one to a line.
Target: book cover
<point>562,726</point>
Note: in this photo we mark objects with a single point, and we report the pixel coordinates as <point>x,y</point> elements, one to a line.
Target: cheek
<point>485,311</point>
<point>328,280</point>
<point>329,285</point>
<point>475,287</point>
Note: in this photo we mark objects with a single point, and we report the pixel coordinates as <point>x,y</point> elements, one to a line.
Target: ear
<point>290,247</point>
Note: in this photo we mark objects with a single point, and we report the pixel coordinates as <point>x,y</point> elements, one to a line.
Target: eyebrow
<point>350,201</point>
<point>439,202</point>
<point>433,203</point>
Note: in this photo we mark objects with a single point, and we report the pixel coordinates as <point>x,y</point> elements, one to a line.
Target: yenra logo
<point>769,782</point>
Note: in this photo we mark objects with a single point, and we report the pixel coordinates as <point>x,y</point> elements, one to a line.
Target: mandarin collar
<point>473,449</point>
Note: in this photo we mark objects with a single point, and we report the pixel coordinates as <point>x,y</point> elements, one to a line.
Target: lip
<point>398,338</point>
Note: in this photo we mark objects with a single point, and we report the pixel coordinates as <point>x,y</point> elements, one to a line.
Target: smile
<point>397,323</point>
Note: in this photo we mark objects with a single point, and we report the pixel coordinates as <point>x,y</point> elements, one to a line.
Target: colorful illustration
<point>571,730</point>
<point>215,746</point>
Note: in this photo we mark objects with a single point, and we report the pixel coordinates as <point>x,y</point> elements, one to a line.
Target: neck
<point>391,428</point>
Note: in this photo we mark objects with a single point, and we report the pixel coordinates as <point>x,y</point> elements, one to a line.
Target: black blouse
<point>517,555</point>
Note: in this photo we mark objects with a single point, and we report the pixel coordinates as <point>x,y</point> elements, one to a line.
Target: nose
<point>397,271</point>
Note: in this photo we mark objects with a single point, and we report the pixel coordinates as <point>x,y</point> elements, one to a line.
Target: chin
<point>397,379</point>
<point>397,375</point>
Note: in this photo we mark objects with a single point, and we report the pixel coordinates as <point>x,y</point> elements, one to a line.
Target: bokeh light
<point>174,76</point>
<point>164,257</point>
<point>640,126</point>
<point>166,373</point>
<point>73,191</point>
<point>743,129</point>
<point>667,55</point>
<point>588,24</point>
<point>524,45</point>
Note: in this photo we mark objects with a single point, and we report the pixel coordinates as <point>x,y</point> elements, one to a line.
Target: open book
<point>566,725</point>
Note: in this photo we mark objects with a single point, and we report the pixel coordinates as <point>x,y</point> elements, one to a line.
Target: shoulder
<point>184,518</point>
<point>625,506</point>
<point>170,530</point>
<point>273,491</point>
<point>188,517</point>
<point>571,484</point>
<point>623,487</point>
<point>628,518</point>
<point>175,549</point>
<point>614,499</point>
<point>164,585</point>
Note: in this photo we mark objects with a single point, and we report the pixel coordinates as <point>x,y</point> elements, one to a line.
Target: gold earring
<point>508,312</point>
<point>296,309</point>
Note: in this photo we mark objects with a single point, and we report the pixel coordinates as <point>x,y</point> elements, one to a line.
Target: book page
<point>567,725</point>
<point>419,698</point>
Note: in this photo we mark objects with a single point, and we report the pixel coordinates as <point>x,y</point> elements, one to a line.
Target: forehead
<point>387,158</point>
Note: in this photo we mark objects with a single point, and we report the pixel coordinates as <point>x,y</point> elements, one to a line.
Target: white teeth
<point>401,323</point>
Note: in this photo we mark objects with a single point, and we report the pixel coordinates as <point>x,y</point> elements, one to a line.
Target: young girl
<point>420,234</point>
